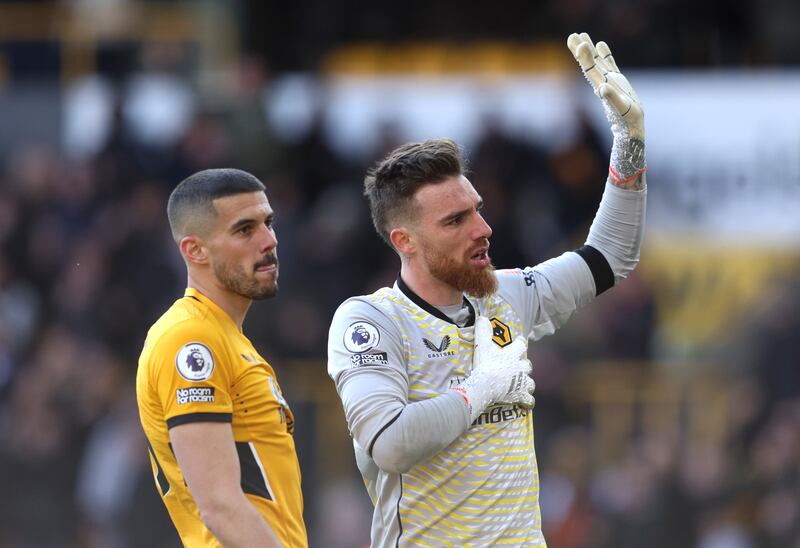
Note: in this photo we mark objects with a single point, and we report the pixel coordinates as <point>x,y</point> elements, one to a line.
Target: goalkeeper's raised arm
<point>619,224</point>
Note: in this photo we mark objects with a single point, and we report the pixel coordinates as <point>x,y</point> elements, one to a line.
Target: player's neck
<point>235,306</point>
<point>432,290</point>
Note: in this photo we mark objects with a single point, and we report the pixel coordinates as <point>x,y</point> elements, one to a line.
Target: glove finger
<point>620,102</point>
<point>530,385</point>
<point>587,39</point>
<point>523,369</point>
<point>483,333</point>
<point>591,69</point>
<point>483,330</point>
<point>527,401</point>
<point>573,41</point>
<point>598,59</point>
<point>518,383</point>
<point>518,348</point>
<point>605,54</point>
<point>526,366</point>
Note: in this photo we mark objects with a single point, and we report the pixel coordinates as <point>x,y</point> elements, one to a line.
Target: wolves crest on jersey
<point>501,334</point>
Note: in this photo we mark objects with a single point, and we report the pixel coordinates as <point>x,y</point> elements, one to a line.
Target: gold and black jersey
<point>197,366</point>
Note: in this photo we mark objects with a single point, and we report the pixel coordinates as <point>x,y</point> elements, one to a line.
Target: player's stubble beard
<point>235,279</point>
<point>460,274</point>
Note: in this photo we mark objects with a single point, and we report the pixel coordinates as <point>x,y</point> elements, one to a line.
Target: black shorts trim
<point>199,417</point>
<point>601,270</point>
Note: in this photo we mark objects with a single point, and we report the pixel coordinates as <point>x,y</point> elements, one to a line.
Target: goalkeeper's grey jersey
<point>390,349</point>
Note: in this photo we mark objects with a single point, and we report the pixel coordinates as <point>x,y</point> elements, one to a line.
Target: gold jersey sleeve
<point>196,366</point>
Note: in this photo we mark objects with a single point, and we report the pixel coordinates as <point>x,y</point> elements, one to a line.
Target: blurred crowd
<point>87,264</point>
<point>662,33</point>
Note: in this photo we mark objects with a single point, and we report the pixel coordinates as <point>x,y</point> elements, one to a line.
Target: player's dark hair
<point>194,197</point>
<point>390,184</point>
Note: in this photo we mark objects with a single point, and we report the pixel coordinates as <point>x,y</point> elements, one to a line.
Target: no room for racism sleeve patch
<point>376,358</point>
<point>199,394</point>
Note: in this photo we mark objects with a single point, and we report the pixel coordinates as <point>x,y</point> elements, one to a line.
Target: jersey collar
<point>193,293</point>
<point>429,308</point>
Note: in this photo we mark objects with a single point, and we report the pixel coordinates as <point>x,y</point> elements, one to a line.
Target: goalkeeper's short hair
<point>391,183</point>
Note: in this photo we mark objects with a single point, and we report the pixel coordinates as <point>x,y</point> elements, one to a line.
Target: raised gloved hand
<point>622,105</point>
<point>499,375</point>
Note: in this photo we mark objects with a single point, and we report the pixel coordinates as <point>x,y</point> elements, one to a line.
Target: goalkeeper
<point>433,372</point>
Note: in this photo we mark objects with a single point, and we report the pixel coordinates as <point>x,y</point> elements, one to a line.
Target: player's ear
<point>193,250</point>
<point>402,240</point>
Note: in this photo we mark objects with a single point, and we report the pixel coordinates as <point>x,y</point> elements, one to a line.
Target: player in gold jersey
<point>219,431</point>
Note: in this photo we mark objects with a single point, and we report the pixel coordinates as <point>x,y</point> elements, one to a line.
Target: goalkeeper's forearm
<point>419,431</point>
<point>618,228</point>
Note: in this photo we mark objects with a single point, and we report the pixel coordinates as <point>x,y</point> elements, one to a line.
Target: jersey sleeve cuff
<point>601,270</point>
<point>199,417</point>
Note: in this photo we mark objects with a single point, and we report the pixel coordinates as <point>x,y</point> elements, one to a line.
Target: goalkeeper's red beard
<point>478,282</point>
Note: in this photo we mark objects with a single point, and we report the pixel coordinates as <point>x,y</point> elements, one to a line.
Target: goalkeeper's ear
<point>402,241</point>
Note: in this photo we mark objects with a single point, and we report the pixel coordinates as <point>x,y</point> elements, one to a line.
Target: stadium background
<point>668,412</point>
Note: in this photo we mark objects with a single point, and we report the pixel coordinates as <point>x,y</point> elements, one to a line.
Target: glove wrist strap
<point>627,165</point>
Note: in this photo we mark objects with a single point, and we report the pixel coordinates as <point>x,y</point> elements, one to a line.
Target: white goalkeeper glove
<point>499,375</point>
<point>622,106</point>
